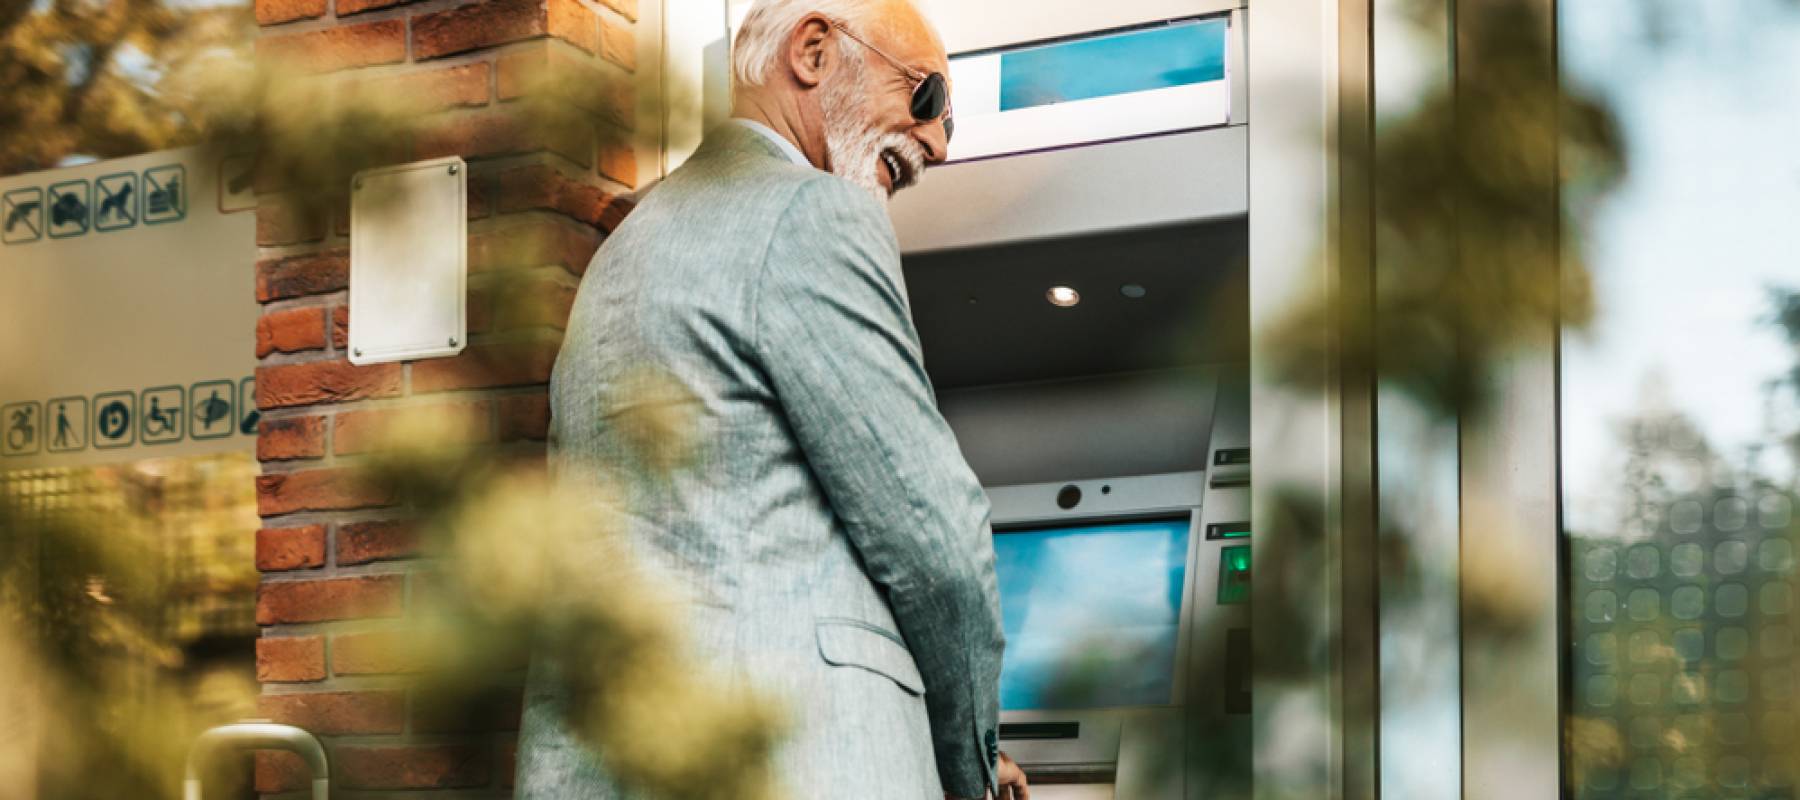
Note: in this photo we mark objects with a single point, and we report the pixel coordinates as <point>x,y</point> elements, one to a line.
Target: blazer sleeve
<point>837,341</point>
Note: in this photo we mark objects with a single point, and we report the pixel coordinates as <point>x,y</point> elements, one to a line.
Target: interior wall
<point>1103,426</point>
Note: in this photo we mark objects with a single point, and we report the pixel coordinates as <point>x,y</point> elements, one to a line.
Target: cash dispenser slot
<point>1040,730</point>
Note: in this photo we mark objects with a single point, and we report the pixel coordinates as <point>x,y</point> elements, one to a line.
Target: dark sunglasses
<point>930,94</point>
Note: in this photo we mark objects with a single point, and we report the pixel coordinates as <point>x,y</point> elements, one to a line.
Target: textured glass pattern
<point>1680,409</point>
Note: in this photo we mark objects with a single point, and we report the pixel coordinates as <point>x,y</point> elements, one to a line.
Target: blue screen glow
<point>1120,63</point>
<point>1092,614</point>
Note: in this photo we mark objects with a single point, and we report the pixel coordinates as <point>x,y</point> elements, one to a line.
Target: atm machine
<point>1078,274</point>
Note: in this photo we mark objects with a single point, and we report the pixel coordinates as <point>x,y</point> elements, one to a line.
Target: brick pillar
<point>338,558</point>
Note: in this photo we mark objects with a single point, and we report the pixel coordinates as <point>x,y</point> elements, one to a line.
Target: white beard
<point>853,145</point>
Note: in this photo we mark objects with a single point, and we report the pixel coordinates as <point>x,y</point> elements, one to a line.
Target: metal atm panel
<point>1138,747</point>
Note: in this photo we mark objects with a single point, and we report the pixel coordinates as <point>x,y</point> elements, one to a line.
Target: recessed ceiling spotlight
<point>1062,296</point>
<point>1132,291</point>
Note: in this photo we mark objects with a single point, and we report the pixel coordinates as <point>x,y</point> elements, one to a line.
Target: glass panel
<point>1136,61</point>
<point>1680,407</point>
<point>1091,613</point>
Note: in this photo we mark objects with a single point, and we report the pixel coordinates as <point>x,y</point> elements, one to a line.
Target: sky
<point>1707,219</point>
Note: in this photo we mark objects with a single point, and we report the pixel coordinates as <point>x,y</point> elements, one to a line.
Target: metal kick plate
<point>409,234</point>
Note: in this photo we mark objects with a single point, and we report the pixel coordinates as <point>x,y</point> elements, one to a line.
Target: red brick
<point>626,8</point>
<point>561,77</point>
<point>290,438</point>
<point>318,490</point>
<point>534,242</point>
<point>282,221</point>
<point>511,130</point>
<point>340,327</point>
<point>461,86</point>
<point>346,8</point>
<point>280,771</point>
<point>525,416</point>
<point>329,599</point>
<point>275,12</point>
<point>290,548</point>
<point>488,366</point>
<point>363,542</point>
<point>289,385</point>
<point>618,45</point>
<point>338,713</point>
<point>481,199</point>
<point>572,22</point>
<point>338,47</point>
<point>437,766</point>
<point>376,653</point>
<point>495,22</point>
<point>288,659</point>
<point>302,275</point>
<point>617,160</point>
<point>451,425</point>
<point>291,330</point>
<point>543,187</point>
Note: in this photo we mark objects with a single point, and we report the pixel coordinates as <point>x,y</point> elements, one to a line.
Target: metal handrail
<point>257,735</point>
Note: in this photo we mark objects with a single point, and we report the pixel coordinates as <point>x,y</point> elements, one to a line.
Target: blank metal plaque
<point>409,234</point>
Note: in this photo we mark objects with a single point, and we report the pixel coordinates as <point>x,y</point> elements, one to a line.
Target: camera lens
<point>1069,496</point>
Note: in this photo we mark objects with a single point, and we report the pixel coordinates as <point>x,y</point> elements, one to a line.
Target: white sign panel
<point>127,313</point>
<point>409,261</point>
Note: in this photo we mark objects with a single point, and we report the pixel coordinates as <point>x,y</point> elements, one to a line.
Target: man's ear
<point>809,59</point>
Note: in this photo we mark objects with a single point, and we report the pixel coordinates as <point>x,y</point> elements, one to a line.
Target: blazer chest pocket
<point>858,644</point>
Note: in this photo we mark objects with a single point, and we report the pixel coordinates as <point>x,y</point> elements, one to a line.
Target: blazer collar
<point>731,137</point>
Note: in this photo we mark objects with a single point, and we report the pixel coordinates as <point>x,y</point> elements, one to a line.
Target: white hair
<point>763,35</point>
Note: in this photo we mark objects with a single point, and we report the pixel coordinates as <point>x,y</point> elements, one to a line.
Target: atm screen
<point>1092,614</point>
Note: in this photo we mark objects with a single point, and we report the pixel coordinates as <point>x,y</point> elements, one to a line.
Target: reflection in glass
<point>1091,614</point>
<point>1680,406</point>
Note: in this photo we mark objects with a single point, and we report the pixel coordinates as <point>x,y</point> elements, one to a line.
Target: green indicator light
<point>1234,575</point>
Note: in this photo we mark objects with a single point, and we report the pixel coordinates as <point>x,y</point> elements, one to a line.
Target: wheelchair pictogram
<point>161,414</point>
<point>22,424</point>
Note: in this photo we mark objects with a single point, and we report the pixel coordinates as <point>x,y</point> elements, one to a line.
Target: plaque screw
<point>358,352</point>
<point>452,341</point>
<point>357,184</point>
<point>452,169</point>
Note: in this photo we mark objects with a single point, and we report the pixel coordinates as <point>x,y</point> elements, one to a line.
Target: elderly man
<point>832,542</point>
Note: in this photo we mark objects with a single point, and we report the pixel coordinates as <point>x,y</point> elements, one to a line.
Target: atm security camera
<point>1068,496</point>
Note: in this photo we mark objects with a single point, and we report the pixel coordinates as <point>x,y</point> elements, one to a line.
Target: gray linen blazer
<point>832,543</point>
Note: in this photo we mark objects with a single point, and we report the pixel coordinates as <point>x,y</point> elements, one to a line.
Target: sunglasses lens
<point>929,98</point>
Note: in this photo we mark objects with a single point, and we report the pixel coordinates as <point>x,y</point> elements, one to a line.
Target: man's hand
<point>1013,785</point>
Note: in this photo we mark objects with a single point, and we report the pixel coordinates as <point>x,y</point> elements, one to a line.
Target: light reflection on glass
<point>1681,406</point>
<point>1091,614</point>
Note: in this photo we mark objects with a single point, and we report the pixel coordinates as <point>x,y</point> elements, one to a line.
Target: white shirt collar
<point>787,148</point>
